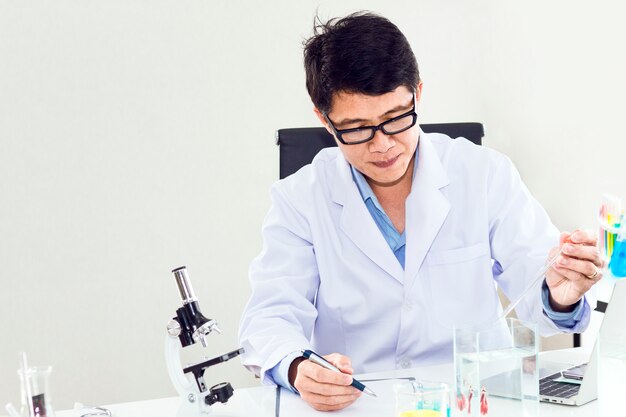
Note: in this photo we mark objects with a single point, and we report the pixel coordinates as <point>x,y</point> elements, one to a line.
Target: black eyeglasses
<point>363,134</point>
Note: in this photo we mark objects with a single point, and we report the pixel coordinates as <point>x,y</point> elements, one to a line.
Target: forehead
<point>350,105</point>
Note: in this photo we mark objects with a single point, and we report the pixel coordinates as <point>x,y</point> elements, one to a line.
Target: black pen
<point>314,357</point>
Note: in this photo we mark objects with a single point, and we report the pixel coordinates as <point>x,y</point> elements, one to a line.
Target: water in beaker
<point>496,370</point>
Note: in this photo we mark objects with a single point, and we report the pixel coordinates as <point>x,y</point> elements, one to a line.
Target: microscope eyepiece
<point>189,325</point>
<point>184,286</point>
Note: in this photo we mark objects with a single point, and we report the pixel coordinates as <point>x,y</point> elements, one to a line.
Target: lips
<point>387,163</point>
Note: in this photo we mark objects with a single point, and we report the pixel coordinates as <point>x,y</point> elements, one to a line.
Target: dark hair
<point>360,53</point>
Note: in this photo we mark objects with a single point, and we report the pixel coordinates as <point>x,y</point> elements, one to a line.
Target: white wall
<point>138,136</point>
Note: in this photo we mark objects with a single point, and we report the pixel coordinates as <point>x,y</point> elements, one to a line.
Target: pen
<point>314,357</point>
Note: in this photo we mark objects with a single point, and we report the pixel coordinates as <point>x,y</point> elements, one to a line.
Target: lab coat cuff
<point>276,358</point>
<point>280,373</point>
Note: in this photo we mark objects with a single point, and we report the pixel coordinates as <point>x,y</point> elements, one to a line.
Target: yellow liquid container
<point>422,399</point>
<point>421,413</point>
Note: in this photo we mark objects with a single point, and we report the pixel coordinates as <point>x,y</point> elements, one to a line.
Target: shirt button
<point>405,363</point>
<point>408,306</point>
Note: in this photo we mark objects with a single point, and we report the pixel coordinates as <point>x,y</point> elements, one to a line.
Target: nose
<point>381,142</point>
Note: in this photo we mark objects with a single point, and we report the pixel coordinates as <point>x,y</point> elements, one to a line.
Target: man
<point>378,248</point>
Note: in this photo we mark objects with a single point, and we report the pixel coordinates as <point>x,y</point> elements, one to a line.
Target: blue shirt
<point>395,239</point>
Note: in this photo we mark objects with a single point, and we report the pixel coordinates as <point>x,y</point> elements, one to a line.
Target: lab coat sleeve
<point>280,313</point>
<point>521,235</point>
<point>566,320</point>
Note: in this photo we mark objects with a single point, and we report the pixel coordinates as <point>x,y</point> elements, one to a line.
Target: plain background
<point>138,136</point>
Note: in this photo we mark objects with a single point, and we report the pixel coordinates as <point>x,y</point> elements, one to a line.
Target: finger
<point>323,375</point>
<point>574,277</point>
<point>329,400</point>
<point>585,237</point>
<point>322,406</point>
<point>564,237</point>
<point>340,361</point>
<point>554,278</point>
<point>326,376</point>
<point>576,284</point>
<point>584,253</point>
<point>575,269</point>
<point>314,378</point>
<point>328,390</point>
<point>309,389</point>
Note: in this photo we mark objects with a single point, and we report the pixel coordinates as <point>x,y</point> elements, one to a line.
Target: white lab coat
<point>326,278</point>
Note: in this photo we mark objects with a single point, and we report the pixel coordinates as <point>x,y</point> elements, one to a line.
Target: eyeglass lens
<point>389,128</point>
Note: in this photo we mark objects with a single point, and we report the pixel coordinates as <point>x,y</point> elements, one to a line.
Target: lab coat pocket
<point>460,285</point>
<point>452,256</point>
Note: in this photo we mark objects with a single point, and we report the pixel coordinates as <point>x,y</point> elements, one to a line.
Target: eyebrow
<point>388,112</point>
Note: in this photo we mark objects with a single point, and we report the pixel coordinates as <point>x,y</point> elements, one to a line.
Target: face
<point>385,159</point>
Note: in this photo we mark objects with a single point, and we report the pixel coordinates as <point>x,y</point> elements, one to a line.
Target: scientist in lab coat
<point>372,253</point>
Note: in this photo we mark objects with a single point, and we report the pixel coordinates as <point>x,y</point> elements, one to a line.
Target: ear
<point>418,92</point>
<point>322,119</point>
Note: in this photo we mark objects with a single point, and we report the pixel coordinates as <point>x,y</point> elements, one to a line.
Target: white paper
<point>382,405</point>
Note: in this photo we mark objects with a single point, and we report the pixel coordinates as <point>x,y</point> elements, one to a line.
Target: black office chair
<point>298,146</point>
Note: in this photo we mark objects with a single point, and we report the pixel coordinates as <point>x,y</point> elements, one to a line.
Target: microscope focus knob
<point>173,328</point>
<point>220,392</point>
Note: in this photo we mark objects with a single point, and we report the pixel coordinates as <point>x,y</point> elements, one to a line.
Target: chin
<point>386,180</point>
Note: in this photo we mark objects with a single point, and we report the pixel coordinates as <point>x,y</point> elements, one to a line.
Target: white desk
<point>261,401</point>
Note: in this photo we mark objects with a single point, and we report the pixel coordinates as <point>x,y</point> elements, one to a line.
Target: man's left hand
<point>576,270</point>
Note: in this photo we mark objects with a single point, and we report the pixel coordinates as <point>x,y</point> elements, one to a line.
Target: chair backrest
<point>298,146</point>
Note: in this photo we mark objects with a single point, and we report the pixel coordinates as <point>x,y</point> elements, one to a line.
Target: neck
<point>396,191</point>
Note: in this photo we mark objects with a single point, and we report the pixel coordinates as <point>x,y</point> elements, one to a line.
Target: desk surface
<point>261,401</point>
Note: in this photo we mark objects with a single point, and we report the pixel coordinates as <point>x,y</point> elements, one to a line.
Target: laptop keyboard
<point>552,388</point>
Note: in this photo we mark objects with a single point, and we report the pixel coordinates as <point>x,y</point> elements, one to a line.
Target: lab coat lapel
<point>358,224</point>
<point>426,207</point>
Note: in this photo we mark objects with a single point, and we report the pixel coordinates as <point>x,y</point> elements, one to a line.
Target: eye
<point>354,126</point>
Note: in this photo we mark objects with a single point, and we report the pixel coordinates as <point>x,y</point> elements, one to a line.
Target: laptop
<point>576,385</point>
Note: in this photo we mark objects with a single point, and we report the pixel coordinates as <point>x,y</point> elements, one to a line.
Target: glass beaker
<point>35,392</point>
<point>422,399</point>
<point>496,369</point>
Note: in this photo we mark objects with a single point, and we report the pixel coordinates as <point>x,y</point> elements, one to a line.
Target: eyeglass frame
<point>339,132</point>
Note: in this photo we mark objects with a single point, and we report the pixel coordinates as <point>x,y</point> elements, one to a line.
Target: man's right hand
<point>321,388</point>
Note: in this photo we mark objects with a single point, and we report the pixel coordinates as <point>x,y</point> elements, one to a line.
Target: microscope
<point>187,328</point>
